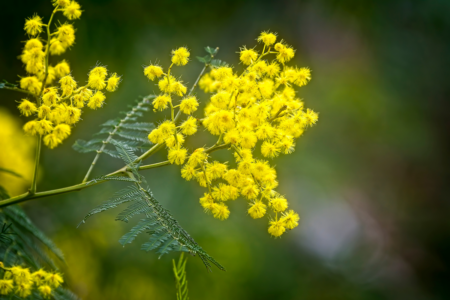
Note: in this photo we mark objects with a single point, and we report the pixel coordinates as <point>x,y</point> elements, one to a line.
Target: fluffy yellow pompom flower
<point>172,142</point>
<point>189,127</point>
<point>197,157</point>
<point>189,105</point>
<point>52,140</point>
<point>44,126</point>
<point>24,289</point>
<point>6,286</point>
<point>68,84</point>
<point>267,38</point>
<point>180,57</point>
<point>257,210</point>
<point>72,115</point>
<point>31,127</point>
<point>97,77</point>
<point>61,3</point>
<point>285,53</point>
<point>31,84</point>
<point>66,34</point>
<point>50,96</point>
<point>279,204</point>
<point>177,156</point>
<point>302,76</point>
<point>57,47</point>
<point>27,108</point>
<point>62,69</point>
<point>161,102</point>
<point>276,228</point>
<point>54,279</point>
<point>153,71</point>
<point>72,10</point>
<point>39,276</point>
<point>45,291</point>
<point>269,149</point>
<point>97,100</point>
<point>21,275</point>
<point>290,219</point>
<point>33,25</point>
<point>220,211</point>
<point>113,82</point>
<point>44,111</point>
<point>248,56</point>
<point>62,131</point>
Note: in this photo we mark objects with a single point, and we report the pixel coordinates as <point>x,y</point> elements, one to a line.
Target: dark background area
<point>370,180</point>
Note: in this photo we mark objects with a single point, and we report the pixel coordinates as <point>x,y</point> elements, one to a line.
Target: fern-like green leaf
<point>139,228</point>
<point>179,270</point>
<point>16,214</point>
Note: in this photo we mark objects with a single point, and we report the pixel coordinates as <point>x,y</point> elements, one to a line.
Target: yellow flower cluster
<point>57,107</point>
<point>21,282</point>
<point>257,109</point>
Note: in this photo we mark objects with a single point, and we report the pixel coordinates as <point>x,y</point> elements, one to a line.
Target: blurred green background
<point>370,180</point>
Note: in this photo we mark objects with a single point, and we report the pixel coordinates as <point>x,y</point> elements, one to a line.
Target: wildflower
<point>302,76</point>
<point>189,105</point>
<point>188,172</point>
<point>167,128</point>
<point>216,170</point>
<point>61,3</point>
<point>276,228</point>
<point>45,291</point>
<point>155,136</point>
<point>161,102</point>
<point>23,289</point>
<point>180,57</point>
<point>221,192</point>
<point>172,142</point>
<point>220,211</point>
<point>257,210</point>
<point>250,191</point>
<point>197,157</point>
<point>207,202</point>
<point>290,220</point>
<point>223,73</point>
<point>72,10</point>
<point>247,139</point>
<point>73,115</point>
<point>56,47</point>
<point>279,204</point>
<point>113,82</point>
<point>62,131</point>
<point>285,53</point>
<point>44,111</point>
<point>97,77</point>
<point>66,35</point>
<point>96,101</point>
<point>267,38</point>
<point>311,117</point>
<point>33,25</point>
<point>189,127</point>
<point>27,108</point>
<point>44,126</point>
<point>153,71</point>
<point>31,84</point>
<point>272,70</point>
<point>177,155</point>
<point>6,286</point>
<point>54,279</point>
<point>248,56</point>
<point>52,140</point>
<point>21,275</point>
<point>34,43</point>
<point>68,84</point>
<point>50,96</point>
<point>31,127</point>
<point>269,149</point>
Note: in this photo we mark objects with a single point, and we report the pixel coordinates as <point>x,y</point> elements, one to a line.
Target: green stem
<point>36,165</point>
<point>18,90</point>
<point>47,54</point>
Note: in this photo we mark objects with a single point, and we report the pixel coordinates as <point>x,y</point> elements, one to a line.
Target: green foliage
<point>179,270</point>
<point>166,234</point>
<point>11,172</point>
<point>22,243</point>
<point>126,131</point>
